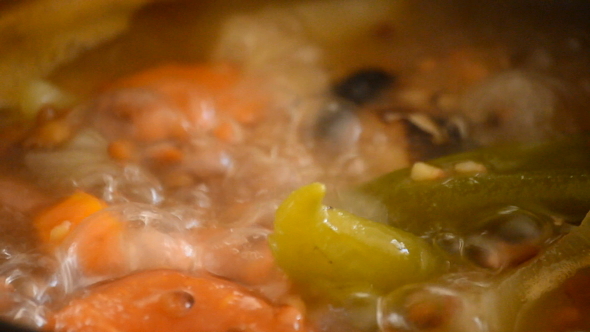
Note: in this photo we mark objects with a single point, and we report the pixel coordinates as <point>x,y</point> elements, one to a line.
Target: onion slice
<point>84,163</point>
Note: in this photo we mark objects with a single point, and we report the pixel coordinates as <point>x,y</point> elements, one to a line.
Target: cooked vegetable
<point>181,101</point>
<point>92,239</point>
<point>461,191</point>
<point>39,93</point>
<point>84,163</point>
<point>239,255</point>
<point>56,222</point>
<point>166,300</point>
<point>131,237</point>
<point>332,253</point>
<point>95,247</point>
<point>42,34</point>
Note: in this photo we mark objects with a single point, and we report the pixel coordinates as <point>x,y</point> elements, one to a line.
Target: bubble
<point>508,238</point>
<point>28,288</point>
<point>449,242</point>
<point>177,303</point>
<point>123,239</point>
<point>240,254</point>
<point>419,308</point>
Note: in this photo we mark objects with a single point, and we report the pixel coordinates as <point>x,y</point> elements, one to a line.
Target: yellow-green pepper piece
<point>332,254</point>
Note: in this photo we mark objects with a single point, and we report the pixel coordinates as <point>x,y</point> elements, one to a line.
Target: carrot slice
<point>217,77</point>
<point>97,245</point>
<point>166,300</point>
<point>94,238</point>
<point>219,86</point>
<point>56,222</point>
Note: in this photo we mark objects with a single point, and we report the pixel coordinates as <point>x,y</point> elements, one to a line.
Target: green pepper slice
<point>332,254</point>
<point>552,178</point>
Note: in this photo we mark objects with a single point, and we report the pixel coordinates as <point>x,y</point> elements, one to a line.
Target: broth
<point>141,179</point>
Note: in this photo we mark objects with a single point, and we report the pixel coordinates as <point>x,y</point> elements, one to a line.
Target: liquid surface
<point>159,159</point>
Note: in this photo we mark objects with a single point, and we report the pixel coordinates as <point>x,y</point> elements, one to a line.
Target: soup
<point>164,166</point>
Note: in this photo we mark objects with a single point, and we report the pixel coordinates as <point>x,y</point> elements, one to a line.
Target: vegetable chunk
<point>55,223</point>
<point>550,178</point>
<point>166,300</point>
<point>176,101</point>
<point>332,253</point>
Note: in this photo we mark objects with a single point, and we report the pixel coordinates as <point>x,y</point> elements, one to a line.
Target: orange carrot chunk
<point>166,300</point>
<point>97,245</point>
<point>93,239</point>
<point>56,222</point>
<point>204,94</point>
<point>216,77</point>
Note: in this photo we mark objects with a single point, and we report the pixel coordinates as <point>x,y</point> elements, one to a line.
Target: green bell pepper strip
<point>551,178</point>
<point>331,254</point>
